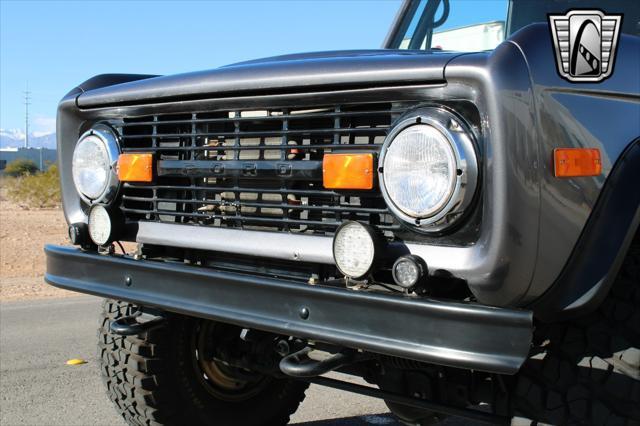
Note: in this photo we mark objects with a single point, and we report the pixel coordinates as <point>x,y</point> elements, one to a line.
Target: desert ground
<point>23,234</point>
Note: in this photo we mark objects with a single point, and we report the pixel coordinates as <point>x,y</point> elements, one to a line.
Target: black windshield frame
<point>424,28</point>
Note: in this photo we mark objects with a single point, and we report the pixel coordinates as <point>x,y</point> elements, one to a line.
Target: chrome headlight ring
<point>104,135</point>
<point>463,185</point>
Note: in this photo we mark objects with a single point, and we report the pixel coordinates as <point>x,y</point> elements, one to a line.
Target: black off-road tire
<point>151,380</point>
<point>587,371</point>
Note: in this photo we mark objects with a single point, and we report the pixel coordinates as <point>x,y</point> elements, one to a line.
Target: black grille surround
<point>255,169</point>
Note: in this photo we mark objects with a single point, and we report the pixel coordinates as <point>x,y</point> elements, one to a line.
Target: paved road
<point>37,388</point>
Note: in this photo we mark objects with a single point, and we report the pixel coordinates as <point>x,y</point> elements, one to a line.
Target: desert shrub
<point>20,167</point>
<point>35,191</point>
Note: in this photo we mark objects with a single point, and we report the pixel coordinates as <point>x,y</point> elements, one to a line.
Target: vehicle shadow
<point>385,419</point>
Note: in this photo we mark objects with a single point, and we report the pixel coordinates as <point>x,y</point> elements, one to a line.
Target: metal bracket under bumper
<point>454,334</point>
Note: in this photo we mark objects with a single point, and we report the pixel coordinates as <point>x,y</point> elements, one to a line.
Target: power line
<point>27,99</point>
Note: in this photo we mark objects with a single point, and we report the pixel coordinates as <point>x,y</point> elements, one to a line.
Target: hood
<point>306,71</point>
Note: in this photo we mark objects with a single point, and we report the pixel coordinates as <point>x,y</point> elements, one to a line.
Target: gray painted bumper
<point>454,334</point>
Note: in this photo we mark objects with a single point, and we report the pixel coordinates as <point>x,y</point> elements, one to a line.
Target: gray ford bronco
<point>452,218</point>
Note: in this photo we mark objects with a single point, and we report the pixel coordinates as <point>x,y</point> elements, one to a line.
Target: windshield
<point>461,25</point>
<point>477,25</point>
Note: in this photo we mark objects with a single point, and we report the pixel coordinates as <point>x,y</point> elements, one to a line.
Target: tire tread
<point>587,371</point>
<point>134,372</point>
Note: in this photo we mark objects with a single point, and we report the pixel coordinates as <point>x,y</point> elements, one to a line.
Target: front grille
<point>255,169</point>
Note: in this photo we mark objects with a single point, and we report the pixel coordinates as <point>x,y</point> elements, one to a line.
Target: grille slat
<point>273,133</point>
<point>336,114</point>
<point>248,189</point>
<point>338,208</point>
<point>255,169</point>
<point>258,147</point>
<point>256,219</point>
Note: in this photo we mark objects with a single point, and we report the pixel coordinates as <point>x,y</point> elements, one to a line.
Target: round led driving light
<point>428,169</point>
<point>409,270</point>
<point>354,249</point>
<point>93,165</point>
<point>100,227</point>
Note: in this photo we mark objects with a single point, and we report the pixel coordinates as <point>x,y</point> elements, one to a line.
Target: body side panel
<point>596,259</point>
<point>603,115</point>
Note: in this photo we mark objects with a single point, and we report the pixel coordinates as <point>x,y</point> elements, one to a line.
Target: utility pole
<point>27,99</point>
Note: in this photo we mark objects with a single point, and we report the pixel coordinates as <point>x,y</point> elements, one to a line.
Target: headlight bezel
<point>460,138</point>
<point>112,146</point>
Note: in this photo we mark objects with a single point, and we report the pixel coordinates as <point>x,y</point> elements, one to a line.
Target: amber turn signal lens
<point>135,167</point>
<point>574,162</point>
<point>347,171</point>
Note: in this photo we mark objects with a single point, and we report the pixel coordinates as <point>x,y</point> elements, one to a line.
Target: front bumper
<point>448,333</point>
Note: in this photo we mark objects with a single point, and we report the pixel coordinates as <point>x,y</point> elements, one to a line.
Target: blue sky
<point>52,46</point>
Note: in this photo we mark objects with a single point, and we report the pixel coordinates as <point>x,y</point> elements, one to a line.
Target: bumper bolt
<point>304,313</point>
<point>282,348</point>
<point>127,281</point>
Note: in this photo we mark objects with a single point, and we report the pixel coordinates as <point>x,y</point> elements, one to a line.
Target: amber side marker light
<point>347,171</point>
<point>135,167</point>
<point>575,162</point>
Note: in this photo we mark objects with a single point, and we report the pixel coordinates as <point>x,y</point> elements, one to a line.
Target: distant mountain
<point>14,138</point>
<point>44,141</point>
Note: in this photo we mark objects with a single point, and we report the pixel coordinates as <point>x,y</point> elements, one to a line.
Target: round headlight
<point>93,165</point>
<point>420,171</point>
<point>428,169</point>
<point>99,225</point>
<point>354,249</point>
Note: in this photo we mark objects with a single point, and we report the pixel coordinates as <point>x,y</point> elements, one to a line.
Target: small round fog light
<point>354,249</point>
<point>100,225</point>
<point>78,233</point>
<point>409,270</point>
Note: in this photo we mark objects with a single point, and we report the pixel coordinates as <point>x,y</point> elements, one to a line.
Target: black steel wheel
<point>405,378</point>
<point>171,376</point>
